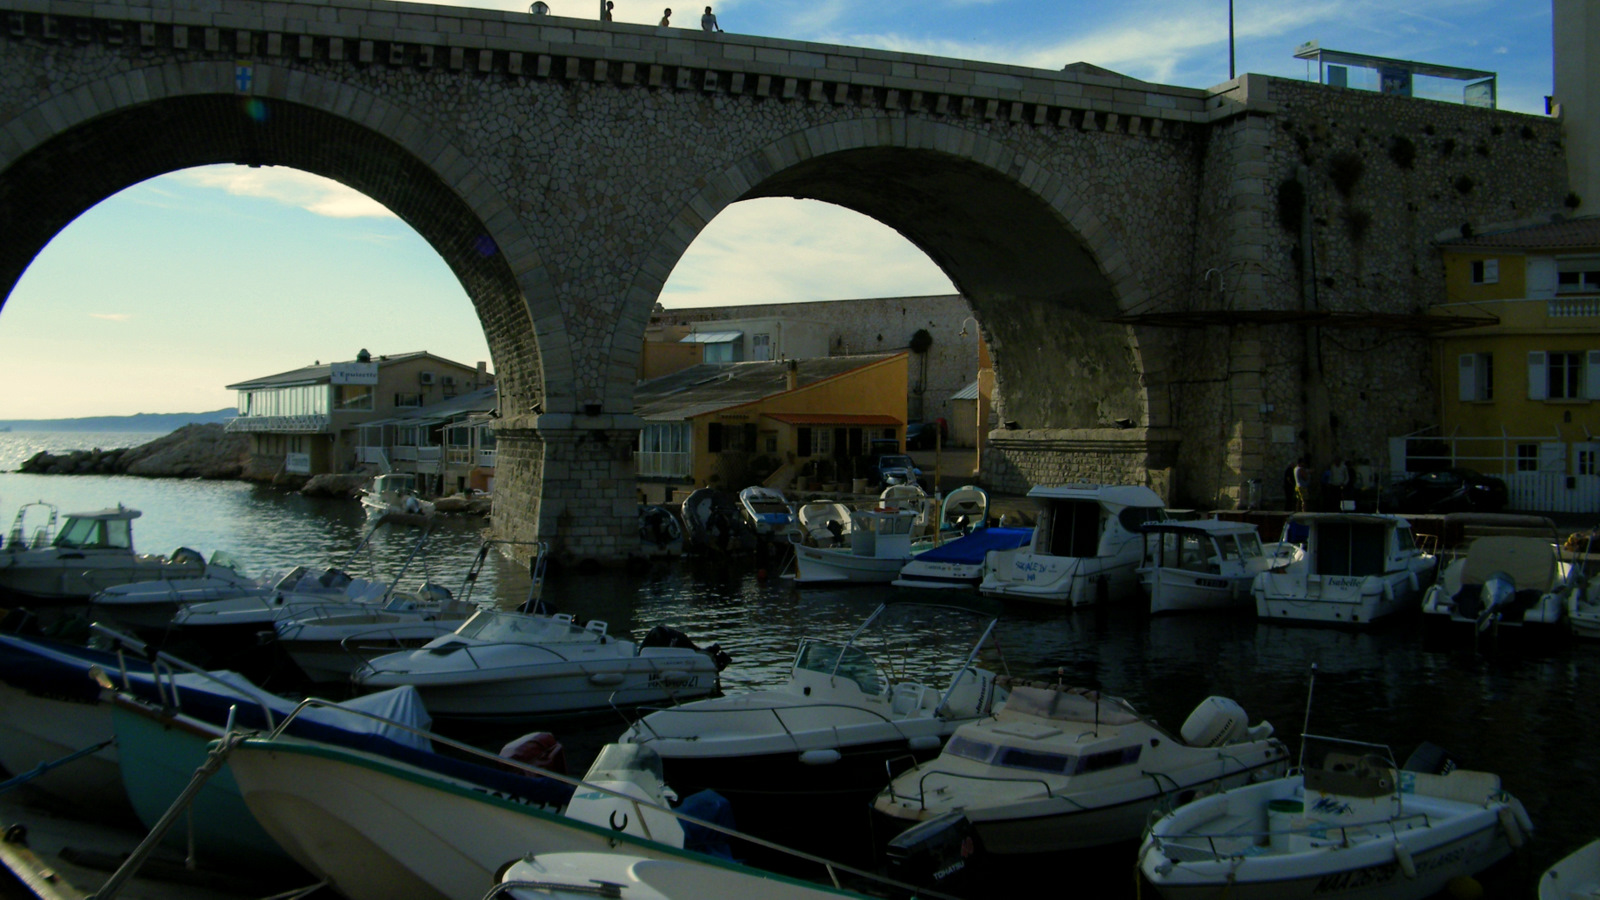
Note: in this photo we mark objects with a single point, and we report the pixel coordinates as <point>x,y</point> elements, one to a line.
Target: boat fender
<point>1388,590</point>
<point>1403,857</point>
<point>1411,576</point>
<point>605,678</point>
<point>924,742</point>
<point>820,757</point>
<point>1508,821</point>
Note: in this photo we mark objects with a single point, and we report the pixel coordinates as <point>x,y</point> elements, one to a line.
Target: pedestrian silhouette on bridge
<point>708,22</point>
<point>605,14</point>
<point>665,15</point>
<point>540,8</point>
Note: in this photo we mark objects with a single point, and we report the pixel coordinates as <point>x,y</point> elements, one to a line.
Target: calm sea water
<point>1530,714</point>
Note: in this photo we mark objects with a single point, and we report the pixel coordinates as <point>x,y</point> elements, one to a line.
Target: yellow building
<point>731,426</point>
<point>1520,398</point>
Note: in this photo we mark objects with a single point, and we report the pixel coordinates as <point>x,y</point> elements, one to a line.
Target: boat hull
<point>1176,590</point>
<point>1350,601</point>
<point>546,690</point>
<point>159,757</point>
<point>36,729</point>
<point>380,830</point>
<point>815,565</point>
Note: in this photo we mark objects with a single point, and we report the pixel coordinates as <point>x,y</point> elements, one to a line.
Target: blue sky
<point>156,298</point>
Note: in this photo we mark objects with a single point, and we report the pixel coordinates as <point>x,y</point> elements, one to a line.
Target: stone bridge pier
<point>562,167</point>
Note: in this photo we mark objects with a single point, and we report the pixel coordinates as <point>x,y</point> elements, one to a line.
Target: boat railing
<point>639,806</point>
<point>164,669</point>
<point>1226,845</point>
<point>775,712</point>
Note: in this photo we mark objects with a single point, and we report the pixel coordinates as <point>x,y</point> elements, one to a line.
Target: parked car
<point>1445,491</point>
<point>896,468</point>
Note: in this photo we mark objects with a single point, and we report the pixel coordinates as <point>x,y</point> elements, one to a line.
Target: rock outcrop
<point>334,485</point>
<point>193,451</point>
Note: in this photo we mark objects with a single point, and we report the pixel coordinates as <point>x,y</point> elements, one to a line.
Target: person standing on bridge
<point>665,16</point>
<point>708,22</point>
<point>605,13</point>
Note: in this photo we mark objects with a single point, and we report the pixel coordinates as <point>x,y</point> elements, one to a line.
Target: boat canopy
<point>972,548</point>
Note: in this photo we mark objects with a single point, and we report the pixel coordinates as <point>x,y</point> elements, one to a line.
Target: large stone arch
<point>1043,290</point>
<point>106,135</point>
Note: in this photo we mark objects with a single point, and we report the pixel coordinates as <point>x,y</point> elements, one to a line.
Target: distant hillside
<point>145,422</point>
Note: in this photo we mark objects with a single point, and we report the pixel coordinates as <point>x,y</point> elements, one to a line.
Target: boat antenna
<point>1305,726</point>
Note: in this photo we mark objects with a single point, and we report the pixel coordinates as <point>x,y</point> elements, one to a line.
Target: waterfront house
<point>448,445</point>
<point>1520,394</point>
<point>307,421</point>
<point>773,422</point>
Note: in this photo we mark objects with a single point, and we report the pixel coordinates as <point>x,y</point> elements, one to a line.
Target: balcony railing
<point>304,424</point>
<point>1573,307</point>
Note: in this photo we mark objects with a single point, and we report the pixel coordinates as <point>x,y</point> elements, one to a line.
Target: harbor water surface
<point>1528,713</point>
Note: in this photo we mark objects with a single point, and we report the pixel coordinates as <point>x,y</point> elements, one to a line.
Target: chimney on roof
<point>793,373</point>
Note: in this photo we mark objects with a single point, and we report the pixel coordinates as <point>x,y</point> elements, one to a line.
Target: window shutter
<point>1537,385</point>
<point>1491,271</point>
<point>714,437</point>
<point>1591,375</point>
<point>1469,377</point>
<point>802,442</point>
<point>1541,278</point>
<point>750,435</point>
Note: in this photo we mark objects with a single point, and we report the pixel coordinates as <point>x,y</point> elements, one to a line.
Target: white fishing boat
<point>1575,876</point>
<point>1353,824</point>
<point>816,747</point>
<point>822,523</point>
<point>91,552</point>
<point>766,509</point>
<point>713,523</point>
<point>1357,568</point>
<point>1583,612</point>
<point>437,828</point>
<point>573,876</point>
<point>1203,564</point>
<point>510,665</point>
<point>1505,581</point>
<point>1059,769</point>
<point>393,496</point>
<point>328,644</point>
<point>1086,546</point>
<point>874,549</point>
<point>152,604</point>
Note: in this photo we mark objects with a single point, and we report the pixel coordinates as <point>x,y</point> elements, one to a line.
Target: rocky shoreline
<point>207,451</point>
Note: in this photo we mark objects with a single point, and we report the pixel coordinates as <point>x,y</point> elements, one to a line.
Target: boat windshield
<point>499,626</point>
<point>851,663</point>
<point>96,534</point>
<point>1246,545</point>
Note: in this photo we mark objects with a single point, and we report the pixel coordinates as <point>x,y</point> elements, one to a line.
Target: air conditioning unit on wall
<point>426,378</point>
<point>447,380</point>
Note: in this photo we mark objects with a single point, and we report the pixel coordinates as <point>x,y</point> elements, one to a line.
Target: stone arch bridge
<point>1123,243</point>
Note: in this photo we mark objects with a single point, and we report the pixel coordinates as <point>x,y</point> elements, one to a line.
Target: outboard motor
<point>667,636</point>
<point>1216,721</point>
<point>931,852</point>
<point>1430,758</point>
<point>1498,591</point>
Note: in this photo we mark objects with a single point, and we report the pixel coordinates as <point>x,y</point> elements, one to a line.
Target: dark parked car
<point>925,435</point>
<point>895,468</point>
<point>1446,491</point>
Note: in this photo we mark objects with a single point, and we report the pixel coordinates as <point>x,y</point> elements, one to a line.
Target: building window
<point>664,450</point>
<point>822,442</point>
<point>408,400</point>
<point>1477,377</point>
<point>1527,457</point>
<point>1585,454</point>
<point>352,396</point>
<point>761,347</point>
<point>1578,276</point>
<point>1564,376</point>
<point>1485,271</point>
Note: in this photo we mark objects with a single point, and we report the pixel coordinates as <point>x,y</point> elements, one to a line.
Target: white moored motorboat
<point>766,509</point>
<point>824,737</point>
<point>91,552</point>
<point>876,546</point>
<point>1356,568</point>
<point>1085,548</point>
<point>1352,825</point>
<point>574,876</point>
<point>1202,564</point>
<point>393,496</point>
<point>1575,876</point>
<point>961,544</point>
<point>1505,581</point>
<point>510,665</point>
<point>1059,769</point>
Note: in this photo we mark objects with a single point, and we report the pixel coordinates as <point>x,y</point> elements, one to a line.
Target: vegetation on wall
<point>1291,198</point>
<point>1345,169</point>
<point>1402,151</point>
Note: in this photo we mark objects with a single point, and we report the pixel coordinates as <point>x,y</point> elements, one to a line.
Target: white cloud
<point>290,187</point>
<point>778,250</point>
<point>112,317</point>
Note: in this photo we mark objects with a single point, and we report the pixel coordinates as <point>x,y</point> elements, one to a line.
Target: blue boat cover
<point>973,547</point>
